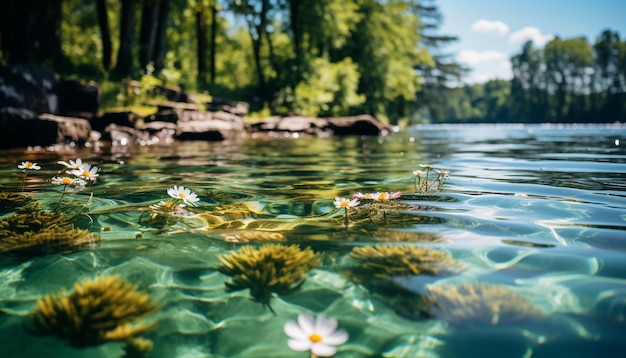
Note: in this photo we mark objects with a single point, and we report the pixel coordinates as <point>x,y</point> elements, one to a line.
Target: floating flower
<point>181,193</point>
<point>369,196</point>
<point>387,195</point>
<point>345,203</point>
<point>73,165</point>
<point>29,166</point>
<point>417,173</point>
<point>319,335</point>
<point>76,183</point>
<point>86,172</point>
<point>69,184</point>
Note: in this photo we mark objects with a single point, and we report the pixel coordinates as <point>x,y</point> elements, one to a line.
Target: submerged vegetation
<point>272,268</point>
<point>479,303</point>
<point>100,310</point>
<point>386,261</point>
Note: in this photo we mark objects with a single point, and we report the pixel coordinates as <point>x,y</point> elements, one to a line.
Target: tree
<point>127,32</point>
<point>105,34</point>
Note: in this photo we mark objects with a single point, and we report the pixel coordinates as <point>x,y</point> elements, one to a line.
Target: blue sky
<point>491,31</point>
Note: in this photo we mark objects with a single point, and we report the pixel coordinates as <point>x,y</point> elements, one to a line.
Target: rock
<point>301,124</point>
<point>228,106</point>
<point>363,124</point>
<point>123,135</point>
<point>166,115</point>
<point>29,86</point>
<point>163,131</point>
<point>69,129</point>
<point>21,127</point>
<point>125,119</point>
<point>77,97</point>
<point>211,130</point>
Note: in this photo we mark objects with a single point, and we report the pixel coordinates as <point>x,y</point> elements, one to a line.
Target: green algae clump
<point>272,268</point>
<point>479,303</point>
<point>98,311</point>
<point>385,261</point>
<point>40,233</point>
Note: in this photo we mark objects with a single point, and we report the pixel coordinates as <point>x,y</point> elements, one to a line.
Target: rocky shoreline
<point>37,108</point>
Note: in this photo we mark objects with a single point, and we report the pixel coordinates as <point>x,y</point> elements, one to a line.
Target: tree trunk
<point>201,30</point>
<point>31,31</point>
<point>127,32</point>
<point>105,33</point>
<point>147,34</point>
<point>213,39</point>
<point>160,46</point>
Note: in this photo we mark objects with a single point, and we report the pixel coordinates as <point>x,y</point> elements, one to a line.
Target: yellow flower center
<point>315,338</point>
<point>85,173</point>
<point>182,195</point>
<point>383,196</point>
<point>66,181</point>
<point>344,204</point>
<point>29,165</point>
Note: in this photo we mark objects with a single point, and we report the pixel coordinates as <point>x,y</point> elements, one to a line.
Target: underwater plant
<point>41,232</point>
<point>386,261</point>
<point>253,235</point>
<point>46,241</point>
<point>316,334</point>
<point>31,221</point>
<point>479,303</point>
<point>100,310</point>
<point>430,179</point>
<point>137,348</point>
<point>272,268</point>
<point>12,201</point>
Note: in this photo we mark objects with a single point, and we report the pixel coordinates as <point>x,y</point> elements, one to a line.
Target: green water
<point>536,213</point>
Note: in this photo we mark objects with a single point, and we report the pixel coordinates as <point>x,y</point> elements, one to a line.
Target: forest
<point>312,57</point>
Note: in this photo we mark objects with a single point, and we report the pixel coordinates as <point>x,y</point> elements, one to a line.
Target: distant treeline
<point>314,57</point>
<point>568,80</point>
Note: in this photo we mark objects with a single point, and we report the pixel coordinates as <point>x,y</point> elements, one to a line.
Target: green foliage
<point>330,89</point>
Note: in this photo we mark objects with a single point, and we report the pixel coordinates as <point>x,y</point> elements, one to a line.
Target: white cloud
<point>490,71</point>
<point>530,33</point>
<point>497,28</point>
<point>473,57</point>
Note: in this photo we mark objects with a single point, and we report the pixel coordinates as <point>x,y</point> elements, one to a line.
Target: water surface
<point>533,219</point>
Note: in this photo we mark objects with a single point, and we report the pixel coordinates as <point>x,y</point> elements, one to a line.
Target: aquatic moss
<point>405,236</point>
<point>137,348</point>
<point>99,310</point>
<point>479,303</point>
<point>46,241</point>
<point>31,222</point>
<point>254,235</point>
<point>12,201</point>
<point>385,261</point>
<point>272,268</point>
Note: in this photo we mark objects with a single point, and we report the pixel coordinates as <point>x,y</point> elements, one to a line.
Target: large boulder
<point>363,124</point>
<point>29,86</point>
<point>79,99</point>
<point>20,127</point>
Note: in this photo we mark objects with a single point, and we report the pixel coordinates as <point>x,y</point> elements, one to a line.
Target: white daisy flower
<point>72,183</point>
<point>319,335</point>
<point>28,166</point>
<point>345,203</point>
<point>184,194</point>
<point>72,165</point>
<point>86,172</point>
